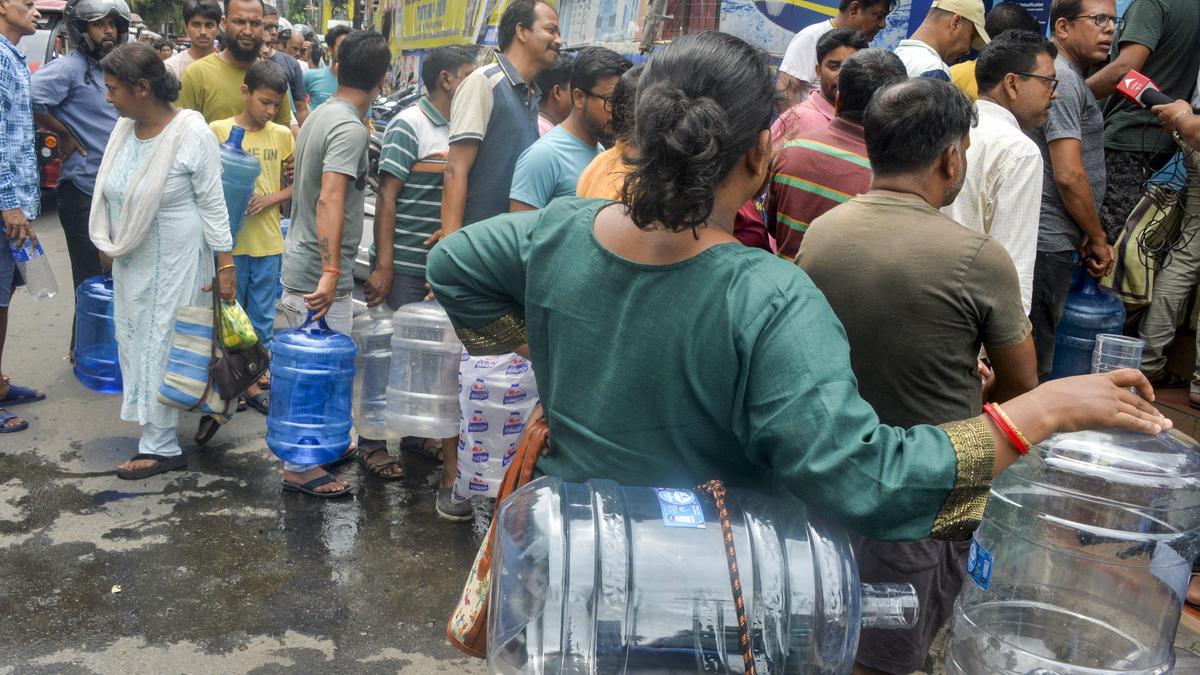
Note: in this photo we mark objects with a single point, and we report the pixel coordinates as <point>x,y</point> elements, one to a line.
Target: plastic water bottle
<point>1089,311</point>
<point>422,393</point>
<point>238,173</point>
<point>34,268</point>
<point>1082,562</point>
<point>312,382</point>
<point>604,579</point>
<point>97,364</point>
<point>372,334</point>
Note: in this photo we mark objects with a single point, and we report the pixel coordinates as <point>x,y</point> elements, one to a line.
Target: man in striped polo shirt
<point>408,213</point>
<point>816,172</point>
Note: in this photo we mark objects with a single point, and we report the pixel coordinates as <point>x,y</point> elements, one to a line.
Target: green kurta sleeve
<point>804,417</point>
<point>479,277</point>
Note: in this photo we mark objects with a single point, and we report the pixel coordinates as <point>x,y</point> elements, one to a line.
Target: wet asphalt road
<point>212,569</point>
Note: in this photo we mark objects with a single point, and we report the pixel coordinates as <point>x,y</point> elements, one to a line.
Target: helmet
<point>82,12</point>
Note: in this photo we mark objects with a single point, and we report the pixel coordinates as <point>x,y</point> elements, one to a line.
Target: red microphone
<point>1141,90</point>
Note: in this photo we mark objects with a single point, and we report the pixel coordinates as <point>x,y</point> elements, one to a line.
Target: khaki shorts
<point>291,311</point>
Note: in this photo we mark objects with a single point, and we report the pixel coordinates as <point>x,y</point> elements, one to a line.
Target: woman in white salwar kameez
<point>160,215</point>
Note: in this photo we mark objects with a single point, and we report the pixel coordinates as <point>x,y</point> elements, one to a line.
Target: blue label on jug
<point>479,454</point>
<point>509,454</point>
<point>478,484</point>
<point>478,423</point>
<point>680,508</point>
<point>479,391</point>
<point>485,364</point>
<point>517,366</point>
<point>979,565</point>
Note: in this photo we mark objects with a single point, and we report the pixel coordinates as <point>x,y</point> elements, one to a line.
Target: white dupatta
<point>144,192</point>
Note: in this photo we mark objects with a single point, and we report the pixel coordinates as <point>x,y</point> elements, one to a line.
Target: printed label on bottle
<point>479,454</point>
<point>479,390</point>
<point>514,424</point>
<point>515,393</point>
<point>478,484</point>
<point>517,366</point>
<point>680,508</point>
<point>478,422</point>
<point>979,564</point>
<point>509,454</point>
<point>20,254</point>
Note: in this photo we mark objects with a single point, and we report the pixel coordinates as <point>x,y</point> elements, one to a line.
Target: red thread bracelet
<point>330,270</point>
<point>1006,426</point>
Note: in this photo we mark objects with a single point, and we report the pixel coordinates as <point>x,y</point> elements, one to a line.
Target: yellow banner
<point>435,23</point>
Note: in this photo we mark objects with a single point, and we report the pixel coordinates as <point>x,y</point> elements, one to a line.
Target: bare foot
<point>302,478</point>
<point>4,386</point>
<point>137,465</point>
<point>1193,592</point>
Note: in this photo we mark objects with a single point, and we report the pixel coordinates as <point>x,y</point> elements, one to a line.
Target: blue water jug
<point>238,173</point>
<point>312,383</point>
<point>1090,311</point>
<point>96,363</point>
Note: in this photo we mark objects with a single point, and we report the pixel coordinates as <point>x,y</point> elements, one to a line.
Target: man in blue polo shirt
<point>494,116</point>
<point>69,98</point>
<point>20,200</point>
<point>550,168</point>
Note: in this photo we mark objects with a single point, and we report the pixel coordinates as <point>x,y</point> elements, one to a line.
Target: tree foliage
<point>156,12</point>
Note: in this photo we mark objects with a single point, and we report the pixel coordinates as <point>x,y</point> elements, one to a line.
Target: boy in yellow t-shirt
<point>258,251</point>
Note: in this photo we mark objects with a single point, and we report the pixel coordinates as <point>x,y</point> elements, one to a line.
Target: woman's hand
<point>227,280</point>
<point>1101,401</point>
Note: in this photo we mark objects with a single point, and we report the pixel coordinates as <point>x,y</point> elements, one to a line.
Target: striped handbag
<point>187,384</point>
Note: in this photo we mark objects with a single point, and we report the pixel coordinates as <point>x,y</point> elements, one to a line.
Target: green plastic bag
<point>237,333</point>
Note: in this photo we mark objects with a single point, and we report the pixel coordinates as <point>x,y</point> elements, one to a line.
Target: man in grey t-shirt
<point>327,216</point>
<point>1072,145</point>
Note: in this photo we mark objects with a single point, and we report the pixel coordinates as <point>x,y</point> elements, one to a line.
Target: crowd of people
<point>819,284</point>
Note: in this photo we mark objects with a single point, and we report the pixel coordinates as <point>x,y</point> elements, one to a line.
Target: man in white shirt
<point>950,30</point>
<point>797,72</point>
<point>1002,188</point>
<point>200,19</point>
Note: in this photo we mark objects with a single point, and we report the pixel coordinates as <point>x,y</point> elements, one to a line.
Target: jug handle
<point>320,322</point>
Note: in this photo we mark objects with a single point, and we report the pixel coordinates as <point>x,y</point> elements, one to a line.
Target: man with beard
<point>550,168</point>
<point>70,99</point>
<point>918,294</point>
<point>212,86</point>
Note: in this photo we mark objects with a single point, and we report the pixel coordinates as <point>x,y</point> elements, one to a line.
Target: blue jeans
<point>257,292</point>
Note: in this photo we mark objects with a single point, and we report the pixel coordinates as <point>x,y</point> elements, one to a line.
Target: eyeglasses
<point>607,100</point>
<point>270,27</point>
<point>1102,20</point>
<point>1052,80</point>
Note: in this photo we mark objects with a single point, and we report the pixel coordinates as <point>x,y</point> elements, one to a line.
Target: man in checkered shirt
<point>20,199</point>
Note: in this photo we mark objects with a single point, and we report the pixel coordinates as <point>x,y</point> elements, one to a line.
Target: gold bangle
<point>230,266</point>
<point>1008,420</point>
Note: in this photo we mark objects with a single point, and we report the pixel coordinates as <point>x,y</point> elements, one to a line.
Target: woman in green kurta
<point>669,354</point>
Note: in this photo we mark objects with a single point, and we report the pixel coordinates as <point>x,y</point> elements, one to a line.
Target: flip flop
<point>202,437</point>
<point>310,488</point>
<point>18,395</point>
<point>241,406</point>
<point>162,464</point>
<point>264,382</point>
<point>260,402</point>
<point>377,469</point>
<point>5,416</point>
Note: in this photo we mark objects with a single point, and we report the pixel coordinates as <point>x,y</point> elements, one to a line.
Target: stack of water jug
<point>397,374</point>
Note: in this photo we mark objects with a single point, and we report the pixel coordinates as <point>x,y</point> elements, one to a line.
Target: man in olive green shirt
<point>212,86</point>
<point>918,294</point>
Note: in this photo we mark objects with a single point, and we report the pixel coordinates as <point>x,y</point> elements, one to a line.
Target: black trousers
<point>1051,282</point>
<point>74,212</point>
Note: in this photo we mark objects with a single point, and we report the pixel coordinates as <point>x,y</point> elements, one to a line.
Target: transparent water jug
<point>372,334</point>
<point>1090,311</point>
<point>1082,562</point>
<point>312,381</point>
<point>422,394</point>
<point>97,366</point>
<point>239,170</point>
<point>599,578</point>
